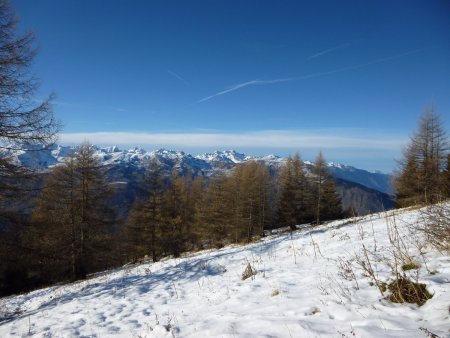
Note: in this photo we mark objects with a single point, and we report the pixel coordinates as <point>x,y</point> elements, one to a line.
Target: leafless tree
<point>419,179</point>
<point>24,120</point>
<point>22,117</point>
<point>72,224</point>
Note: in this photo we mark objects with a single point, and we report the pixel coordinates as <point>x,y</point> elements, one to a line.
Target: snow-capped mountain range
<point>40,158</point>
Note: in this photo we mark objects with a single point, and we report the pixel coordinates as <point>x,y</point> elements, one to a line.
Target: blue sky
<point>348,77</point>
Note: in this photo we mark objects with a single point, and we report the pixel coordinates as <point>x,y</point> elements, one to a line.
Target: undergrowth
<point>403,290</point>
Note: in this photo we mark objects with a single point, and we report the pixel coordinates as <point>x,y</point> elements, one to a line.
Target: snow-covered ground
<point>301,289</point>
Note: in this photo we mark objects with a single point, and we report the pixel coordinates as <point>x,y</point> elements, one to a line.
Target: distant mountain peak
<point>42,158</point>
<point>230,156</point>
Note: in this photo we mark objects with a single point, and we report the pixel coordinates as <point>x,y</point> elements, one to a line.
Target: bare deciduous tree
<point>327,203</point>
<point>23,120</point>
<point>72,224</point>
<point>419,179</point>
<point>295,193</point>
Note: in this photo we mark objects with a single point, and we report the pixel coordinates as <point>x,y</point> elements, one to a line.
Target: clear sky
<point>348,77</point>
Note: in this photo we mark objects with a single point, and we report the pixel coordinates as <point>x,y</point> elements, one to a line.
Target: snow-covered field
<point>303,288</point>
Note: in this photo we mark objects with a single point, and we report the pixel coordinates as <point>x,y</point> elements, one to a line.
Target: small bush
<point>436,226</point>
<point>383,287</point>
<point>405,291</point>
<point>410,266</point>
<point>248,272</point>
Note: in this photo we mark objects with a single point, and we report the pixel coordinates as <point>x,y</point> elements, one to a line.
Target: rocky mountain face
<point>361,200</point>
<point>362,191</point>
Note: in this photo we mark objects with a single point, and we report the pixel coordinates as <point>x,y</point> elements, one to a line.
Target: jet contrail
<point>309,76</point>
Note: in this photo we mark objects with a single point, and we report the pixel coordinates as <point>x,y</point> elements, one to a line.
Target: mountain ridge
<point>362,192</point>
<point>43,158</point>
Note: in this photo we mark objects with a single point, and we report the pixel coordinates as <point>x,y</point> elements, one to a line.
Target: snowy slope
<point>298,291</point>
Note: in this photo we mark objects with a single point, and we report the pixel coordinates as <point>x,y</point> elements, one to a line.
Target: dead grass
<point>404,290</point>
<point>249,272</point>
<point>275,293</point>
<point>410,266</point>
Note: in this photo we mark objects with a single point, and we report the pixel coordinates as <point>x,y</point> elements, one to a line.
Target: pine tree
<point>143,233</point>
<point>71,225</point>
<point>251,183</point>
<point>23,122</point>
<point>286,195</point>
<point>408,185</point>
<point>198,188</point>
<point>294,193</point>
<point>264,187</point>
<point>419,179</point>
<point>446,177</point>
<point>97,219</point>
<point>327,203</point>
<point>54,233</point>
<point>178,216</point>
<point>216,213</point>
<point>303,192</point>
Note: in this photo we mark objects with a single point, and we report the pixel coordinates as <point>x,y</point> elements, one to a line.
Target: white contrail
<point>175,75</point>
<point>370,63</point>
<point>308,76</point>
<point>329,50</point>
<point>242,85</point>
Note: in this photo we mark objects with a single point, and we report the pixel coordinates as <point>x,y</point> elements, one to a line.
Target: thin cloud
<point>329,50</point>
<point>85,105</point>
<point>280,139</point>
<point>309,76</point>
<point>175,75</point>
